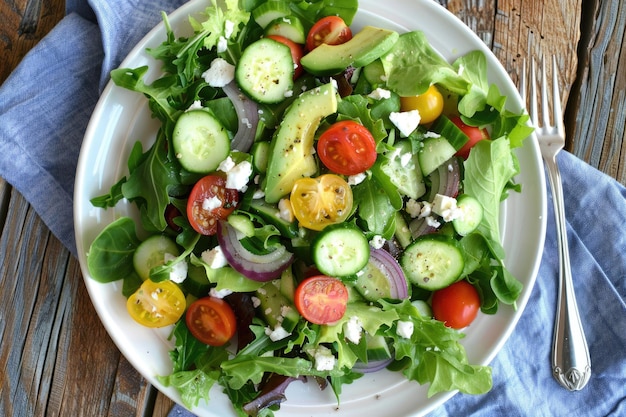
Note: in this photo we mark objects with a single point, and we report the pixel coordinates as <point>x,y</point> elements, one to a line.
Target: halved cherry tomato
<point>456,305</point>
<point>156,304</point>
<point>211,320</point>
<point>321,299</point>
<point>210,201</point>
<point>296,53</point>
<point>429,104</point>
<point>322,201</point>
<point>347,148</point>
<point>331,30</point>
<point>474,134</point>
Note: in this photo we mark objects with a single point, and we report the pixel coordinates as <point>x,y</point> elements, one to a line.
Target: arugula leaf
<point>160,93</point>
<point>194,385</point>
<point>433,354</point>
<point>150,182</point>
<point>374,207</point>
<point>356,107</point>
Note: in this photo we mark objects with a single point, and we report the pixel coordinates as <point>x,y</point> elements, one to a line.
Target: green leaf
<point>488,169</point>
<point>149,185</point>
<point>433,355</point>
<point>413,65</point>
<point>374,207</point>
<point>110,255</point>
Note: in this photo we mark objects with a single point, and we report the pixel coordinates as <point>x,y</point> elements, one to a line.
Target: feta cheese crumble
<point>356,179</point>
<point>406,121</point>
<point>219,73</point>
<point>277,334</point>
<point>404,329</point>
<point>377,242</point>
<point>211,203</point>
<point>178,271</point>
<point>380,94</point>
<point>285,211</point>
<point>237,175</point>
<point>323,358</point>
<point>352,330</point>
<point>214,258</point>
<point>446,207</point>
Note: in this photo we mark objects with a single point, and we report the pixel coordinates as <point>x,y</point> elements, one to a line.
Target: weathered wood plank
<point>24,23</point>
<point>599,109</point>
<point>57,355</point>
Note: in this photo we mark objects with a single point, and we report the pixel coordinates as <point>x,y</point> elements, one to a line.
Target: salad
<point>317,204</point>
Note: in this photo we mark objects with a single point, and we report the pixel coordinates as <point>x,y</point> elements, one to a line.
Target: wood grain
<point>24,23</point>
<point>598,110</point>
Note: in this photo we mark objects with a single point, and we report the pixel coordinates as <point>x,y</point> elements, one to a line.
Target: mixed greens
<point>266,247</point>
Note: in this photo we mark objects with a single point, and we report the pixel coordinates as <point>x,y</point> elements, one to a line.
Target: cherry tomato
<point>456,305</point>
<point>296,53</point>
<point>322,201</point>
<point>156,304</point>
<point>321,299</point>
<point>211,320</point>
<point>347,148</point>
<point>474,134</point>
<point>209,202</point>
<point>331,30</point>
<point>429,104</point>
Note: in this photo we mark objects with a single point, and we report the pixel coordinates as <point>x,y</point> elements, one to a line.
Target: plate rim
<point>139,49</point>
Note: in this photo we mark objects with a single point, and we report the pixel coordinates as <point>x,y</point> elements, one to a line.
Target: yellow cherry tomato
<point>322,201</point>
<point>156,304</point>
<point>428,104</point>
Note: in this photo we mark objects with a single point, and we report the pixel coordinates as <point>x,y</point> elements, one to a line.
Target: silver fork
<point>571,365</point>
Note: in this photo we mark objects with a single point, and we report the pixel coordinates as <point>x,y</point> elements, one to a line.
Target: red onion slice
<point>256,267</point>
<point>371,366</point>
<point>390,268</point>
<point>248,116</point>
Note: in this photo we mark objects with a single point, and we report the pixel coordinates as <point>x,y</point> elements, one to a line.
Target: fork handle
<point>571,365</point>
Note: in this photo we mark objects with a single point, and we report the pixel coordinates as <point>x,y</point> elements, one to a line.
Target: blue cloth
<point>45,106</point>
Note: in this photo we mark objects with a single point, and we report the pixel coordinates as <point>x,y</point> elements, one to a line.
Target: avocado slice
<point>291,150</point>
<point>365,47</point>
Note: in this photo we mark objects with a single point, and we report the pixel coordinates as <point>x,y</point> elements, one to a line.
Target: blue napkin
<point>45,106</point>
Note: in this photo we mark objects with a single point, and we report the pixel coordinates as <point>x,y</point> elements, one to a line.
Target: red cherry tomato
<point>331,30</point>
<point>321,299</point>
<point>211,320</point>
<point>473,133</point>
<point>456,305</point>
<point>209,202</point>
<point>296,53</point>
<point>347,148</point>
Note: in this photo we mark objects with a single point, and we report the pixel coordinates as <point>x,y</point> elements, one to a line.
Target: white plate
<point>122,117</point>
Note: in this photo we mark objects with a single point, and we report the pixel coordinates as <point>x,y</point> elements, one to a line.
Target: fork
<point>571,365</point>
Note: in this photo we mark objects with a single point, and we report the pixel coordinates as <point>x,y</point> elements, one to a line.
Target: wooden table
<point>55,355</point>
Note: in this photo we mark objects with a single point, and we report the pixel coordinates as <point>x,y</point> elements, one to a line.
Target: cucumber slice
<point>403,169</point>
<point>200,141</point>
<point>435,152</point>
<point>265,71</point>
<point>446,128</point>
<point>372,284</point>
<point>270,11</point>
<point>377,348</point>
<point>260,154</point>
<point>340,250</point>
<point>472,214</point>
<point>276,308</point>
<point>374,73</point>
<point>289,27</point>
<point>432,262</point>
<point>151,253</point>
